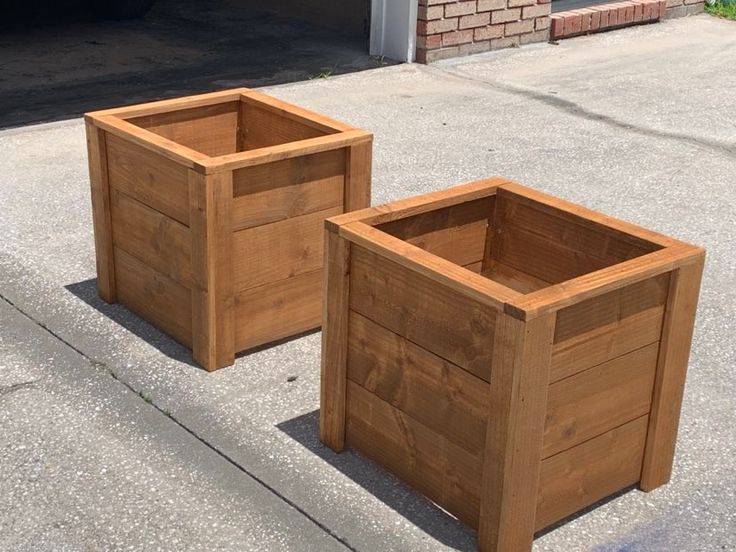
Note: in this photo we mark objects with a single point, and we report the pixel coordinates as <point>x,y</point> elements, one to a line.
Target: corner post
<point>101,212</point>
<point>334,340</point>
<point>513,449</point>
<point>211,227</point>
<point>669,383</point>
<point>357,194</point>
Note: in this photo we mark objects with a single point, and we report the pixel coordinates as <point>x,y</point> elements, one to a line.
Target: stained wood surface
<point>513,278</point>
<point>262,128</point>
<point>513,444</point>
<point>442,396</point>
<point>159,183</point>
<point>280,250</point>
<point>437,318</point>
<point>589,472</point>
<point>333,379</point>
<point>597,400</point>
<point>157,240</point>
<point>674,354</point>
<point>286,189</point>
<point>101,212</point>
<point>154,296</point>
<point>456,233</point>
<point>213,318</point>
<point>162,106</point>
<point>211,130</point>
<point>442,471</point>
<point>278,310</point>
<point>358,176</point>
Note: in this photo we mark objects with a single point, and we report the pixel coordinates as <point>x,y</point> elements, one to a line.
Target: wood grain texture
<point>669,386</point>
<point>286,189</point>
<point>358,176</point>
<point>513,445</point>
<point>154,296</point>
<point>589,472</point>
<point>261,128</point>
<point>278,310</point>
<point>513,278</point>
<point>279,250</point>
<point>157,182</point>
<point>211,130</point>
<point>162,106</point>
<point>456,233</point>
<point>157,240</point>
<point>440,395</point>
<point>279,107</point>
<point>334,341</point>
<point>441,320</point>
<point>213,321</point>
<point>599,399</point>
<point>101,212</point>
<point>444,472</point>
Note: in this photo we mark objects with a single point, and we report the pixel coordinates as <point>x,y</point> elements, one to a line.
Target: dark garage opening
<point>57,62</point>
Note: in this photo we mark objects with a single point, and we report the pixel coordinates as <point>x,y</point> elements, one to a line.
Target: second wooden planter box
<point>208,214</point>
<point>514,357</point>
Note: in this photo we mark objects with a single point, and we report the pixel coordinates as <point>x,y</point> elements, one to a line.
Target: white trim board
<point>394,29</point>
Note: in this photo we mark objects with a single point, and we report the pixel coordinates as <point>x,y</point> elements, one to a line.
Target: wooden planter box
<point>208,214</point>
<point>514,357</point>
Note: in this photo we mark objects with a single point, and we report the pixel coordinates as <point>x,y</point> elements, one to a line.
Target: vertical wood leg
<point>358,177</point>
<point>101,213</point>
<point>210,223</point>
<point>669,384</point>
<point>513,450</point>
<point>334,341</point>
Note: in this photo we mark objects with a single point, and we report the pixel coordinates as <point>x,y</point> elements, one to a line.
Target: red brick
<point>439,26</point>
<point>662,9</point>
<point>541,23</point>
<point>584,21</point>
<point>557,29</point>
<point>475,47</point>
<point>544,1</point>
<point>621,12</point>
<point>529,12</point>
<point>529,38</point>
<point>489,32</point>
<point>629,14</point>
<point>488,5</point>
<point>573,24</point>
<point>519,3</point>
<point>637,13</point>
<point>428,13</point>
<point>595,20</point>
<point>429,42</point>
<point>457,37</point>
<point>475,20</point>
<point>505,16</point>
<point>461,8</point>
<point>519,27</point>
<point>507,42</point>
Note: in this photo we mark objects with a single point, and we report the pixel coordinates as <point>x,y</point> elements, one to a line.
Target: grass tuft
<point>722,8</point>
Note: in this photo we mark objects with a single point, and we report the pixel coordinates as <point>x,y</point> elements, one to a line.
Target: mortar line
<point>577,110</point>
<point>99,364</point>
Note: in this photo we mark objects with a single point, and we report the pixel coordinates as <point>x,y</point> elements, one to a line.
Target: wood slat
<point>151,179</point>
<point>211,130</point>
<point>513,278</point>
<point>437,318</point>
<point>154,296</point>
<point>280,250</point>
<point>157,240</point>
<point>162,106</point>
<point>358,176</point>
<point>261,128</point>
<point>599,399</point>
<point>456,233</point>
<point>442,396</point>
<point>611,308</point>
<point>280,107</point>
<point>589,472</point>
<point>278,310</point>
<point>442,471</point>
<point>286,189</point>
<point>606,342</point>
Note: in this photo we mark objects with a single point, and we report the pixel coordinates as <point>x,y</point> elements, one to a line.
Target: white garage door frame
<point>394,29</point>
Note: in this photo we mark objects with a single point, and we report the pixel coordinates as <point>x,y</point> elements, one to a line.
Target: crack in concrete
<point>106,368</point>
<point>572,108</point>
<point>8,389</point>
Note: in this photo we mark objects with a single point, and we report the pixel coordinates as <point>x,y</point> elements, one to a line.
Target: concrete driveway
<point>112,439</point>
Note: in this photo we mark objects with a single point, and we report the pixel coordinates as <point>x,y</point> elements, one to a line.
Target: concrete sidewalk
<point>113,439</point>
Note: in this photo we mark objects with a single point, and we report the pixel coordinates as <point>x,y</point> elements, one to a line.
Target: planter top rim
<point>360,227</point>
<point>337,134</point>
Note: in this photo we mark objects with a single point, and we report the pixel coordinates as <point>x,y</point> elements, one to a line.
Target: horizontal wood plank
<point>262,127</point>
<point>594,401</point>
<point>513,278</point>
<point>149,178</point>
<point>456,233</point>
<point>159,241</point>
<point>442,471</point>
<point>589,472</point>
<point>286,189</point>
<point>280,107</point>
<point>154,296</point>
<point>278,310</point>
<point>162,106</point>
<point>280,250</point>
<point>442,396</point>
<point>436,317</point>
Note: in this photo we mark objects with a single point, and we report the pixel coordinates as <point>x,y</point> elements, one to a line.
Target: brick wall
<point>452,28</point>
<point>681,8</point>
